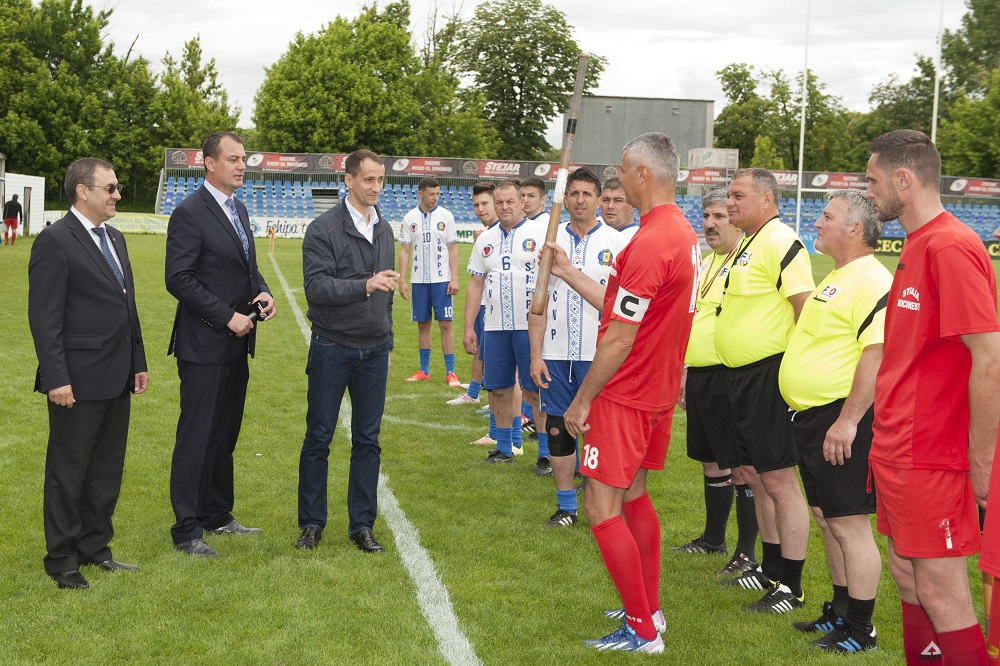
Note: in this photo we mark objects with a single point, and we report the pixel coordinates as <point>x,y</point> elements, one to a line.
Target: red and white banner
<point>975,186</point>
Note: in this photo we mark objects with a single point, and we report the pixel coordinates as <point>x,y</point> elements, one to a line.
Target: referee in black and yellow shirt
<point>768,281</point>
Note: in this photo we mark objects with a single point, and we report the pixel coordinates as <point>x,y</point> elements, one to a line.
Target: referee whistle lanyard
<point>739,253</point>
<point>708,285</point>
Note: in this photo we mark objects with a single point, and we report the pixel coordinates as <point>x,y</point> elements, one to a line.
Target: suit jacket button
<point>128,339</point>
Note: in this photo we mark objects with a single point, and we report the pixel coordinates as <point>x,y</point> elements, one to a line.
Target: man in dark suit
<point>211,269</point>
<point>81,309</point>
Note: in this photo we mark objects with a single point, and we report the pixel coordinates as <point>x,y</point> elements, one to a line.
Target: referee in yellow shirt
<point>703,395</point>
<point>767,284</point>
<point>827,377</point>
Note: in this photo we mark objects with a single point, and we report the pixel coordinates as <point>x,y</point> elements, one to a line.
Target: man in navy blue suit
<point>211,269</point>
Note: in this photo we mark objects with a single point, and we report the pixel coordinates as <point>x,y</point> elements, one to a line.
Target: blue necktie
<point>106,251</point>
<point>235,219</point>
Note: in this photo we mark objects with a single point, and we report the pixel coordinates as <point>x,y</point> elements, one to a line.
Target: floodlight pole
<point>937,74</point>
<point>802,125</point>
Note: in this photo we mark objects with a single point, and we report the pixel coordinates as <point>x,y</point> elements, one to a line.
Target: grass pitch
<point>522,593</point>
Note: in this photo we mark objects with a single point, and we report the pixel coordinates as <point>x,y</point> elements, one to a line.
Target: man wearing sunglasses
<point>81,310</point>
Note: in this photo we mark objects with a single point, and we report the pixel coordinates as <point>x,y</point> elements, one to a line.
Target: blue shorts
<point>478,327</point>
<point>509,356</point>
<point>425,297</point>
<point>566,377</point>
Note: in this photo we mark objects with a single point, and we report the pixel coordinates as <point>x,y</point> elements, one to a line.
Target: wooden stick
<point>545,260</point>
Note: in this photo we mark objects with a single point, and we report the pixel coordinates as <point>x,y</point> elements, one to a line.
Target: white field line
<point>432,595</point>
<point>292,303</point>
<point>434,426</point>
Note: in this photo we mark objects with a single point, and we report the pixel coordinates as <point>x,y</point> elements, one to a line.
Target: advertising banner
<point>973,186</point>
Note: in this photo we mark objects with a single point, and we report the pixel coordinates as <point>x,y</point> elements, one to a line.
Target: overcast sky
<point>655,48</point>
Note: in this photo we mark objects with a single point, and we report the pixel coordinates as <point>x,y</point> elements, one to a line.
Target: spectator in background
<point>11,214</point>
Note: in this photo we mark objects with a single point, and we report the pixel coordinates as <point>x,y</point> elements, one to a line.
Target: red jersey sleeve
<point>967,290</point>
<point>641,272</point>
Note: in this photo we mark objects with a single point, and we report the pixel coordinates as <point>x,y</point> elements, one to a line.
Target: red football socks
<point>621,557</point>
<point>644,524</point>
<point>920,644</point>
<point>963,647</point>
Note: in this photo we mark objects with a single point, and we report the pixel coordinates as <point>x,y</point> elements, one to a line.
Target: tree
<point>66,94</point>
<point>360,84</point>
<point>746,113</point>
<point>454,117</point>
<point>192,103</point>
<point>970,137</point>
<point>971,53</point>
<point>522,56</point>
<point>750,116</point>
<point>346,87</point>
<point>766,156</point>
<point>897,105</point>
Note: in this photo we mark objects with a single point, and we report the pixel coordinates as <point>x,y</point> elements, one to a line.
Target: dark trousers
<point>201,473</point>
<point>83,476</point>
<point>332,369</point>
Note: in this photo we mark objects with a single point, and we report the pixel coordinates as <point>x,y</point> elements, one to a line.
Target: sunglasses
<point>110,188</point>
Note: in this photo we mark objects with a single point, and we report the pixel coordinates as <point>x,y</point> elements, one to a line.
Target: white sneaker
<point>464,399</point>
<point>518,451</point>
<point>485,440</point>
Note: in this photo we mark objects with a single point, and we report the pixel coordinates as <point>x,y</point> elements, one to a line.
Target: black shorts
<point>759,416</point>
<point>709,438</point>
<point>839,490</point>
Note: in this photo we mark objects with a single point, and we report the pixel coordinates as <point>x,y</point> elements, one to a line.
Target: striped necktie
<point>234,217</point>
<point>106,251</point>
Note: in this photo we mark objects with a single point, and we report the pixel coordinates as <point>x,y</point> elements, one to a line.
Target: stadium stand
<point>307,199</point>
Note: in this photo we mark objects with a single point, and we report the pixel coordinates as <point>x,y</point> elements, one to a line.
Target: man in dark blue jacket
<point>348,257</point>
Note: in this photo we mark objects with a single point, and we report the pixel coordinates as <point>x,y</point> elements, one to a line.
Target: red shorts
<point>927,513</point>
<point>11,222</point>
<point>621,440</point>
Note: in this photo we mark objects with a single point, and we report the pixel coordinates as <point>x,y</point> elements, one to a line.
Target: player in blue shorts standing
<point>564,339</point>
<point>503,265</point>
<point>429,255</point>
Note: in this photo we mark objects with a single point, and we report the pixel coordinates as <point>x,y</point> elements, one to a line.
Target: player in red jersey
<point>625,404</point>
<point>936,405</point>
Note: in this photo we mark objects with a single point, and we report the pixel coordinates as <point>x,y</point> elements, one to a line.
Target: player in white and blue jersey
<point>428,256</point>
<point>616,211</point>
<point>502,266</point>
<point>534,196</point>
<point>564,339</point>
<point>482,206</point>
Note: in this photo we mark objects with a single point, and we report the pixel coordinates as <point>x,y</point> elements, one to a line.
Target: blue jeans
<point>332,368</point>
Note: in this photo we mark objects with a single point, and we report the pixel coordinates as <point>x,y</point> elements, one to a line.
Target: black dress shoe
<point>310,537</point>
<point>233,527</point>
<point>70,580</point>
<point>366,542</point>
<point>196,547</point>
<point>115,565</point>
